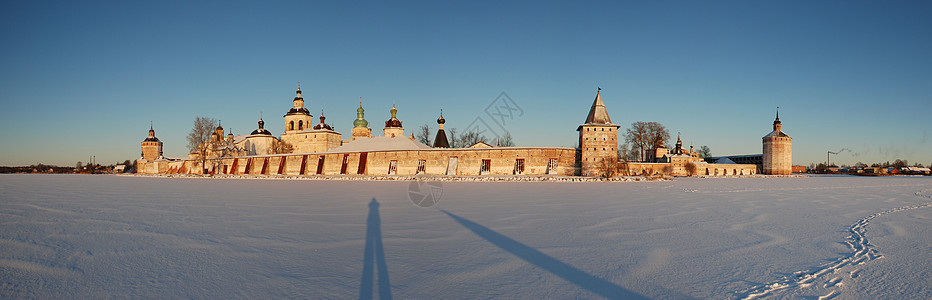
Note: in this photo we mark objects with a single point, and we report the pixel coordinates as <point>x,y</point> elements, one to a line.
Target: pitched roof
<point>598,114</point>
<point>441,140</point>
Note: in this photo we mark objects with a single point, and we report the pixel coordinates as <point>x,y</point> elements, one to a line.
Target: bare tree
<point>624,155</point>
<point>608,167</point>
<point>199,140</point>
<point>691,169</point>
<point>646,137</point>
<point>423,134</point>
<point>470,138</point>
<point>704,151</point>
<point>451,133</point>
<point>505,140</point>
<point>281,147</point>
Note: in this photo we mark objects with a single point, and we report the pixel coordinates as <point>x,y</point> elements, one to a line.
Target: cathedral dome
<point>261,130</point>
<point>298,111</point>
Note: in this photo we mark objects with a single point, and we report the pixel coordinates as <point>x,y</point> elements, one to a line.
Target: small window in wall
<point>301,125</point>
<point>486,167</point>
<point>421,166</point>
<point>519,166</point>
<point>552,166</point>
<point>393,167</point>
<point>291,127</point>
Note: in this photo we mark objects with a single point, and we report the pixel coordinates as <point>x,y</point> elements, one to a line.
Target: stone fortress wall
<point>320,151</point>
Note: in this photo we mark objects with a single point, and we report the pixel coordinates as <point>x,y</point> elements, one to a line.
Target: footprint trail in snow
<point>861,252</point>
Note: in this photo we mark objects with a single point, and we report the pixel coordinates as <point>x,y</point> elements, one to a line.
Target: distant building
<point>320,149</point>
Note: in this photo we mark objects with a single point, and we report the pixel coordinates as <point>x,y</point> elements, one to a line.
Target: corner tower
<point>151,146</point>
<point>598,140</point>
<point>778,150</point>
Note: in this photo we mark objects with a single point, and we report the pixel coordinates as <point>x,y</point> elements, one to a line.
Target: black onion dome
<point>393,123</point>
<point>151,137</point>
<point>261,130</point>
<point>441,120</point>
<point>322,125</point>
<point>298,111</point>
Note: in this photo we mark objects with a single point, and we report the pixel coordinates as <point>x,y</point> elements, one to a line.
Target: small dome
<point>261,130</point>
<point>151,137</point>
<point>322,125</point>
<point>393,122</point>
<point>441,120</point>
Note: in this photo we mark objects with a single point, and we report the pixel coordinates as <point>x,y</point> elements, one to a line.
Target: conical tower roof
<point>598,115</point>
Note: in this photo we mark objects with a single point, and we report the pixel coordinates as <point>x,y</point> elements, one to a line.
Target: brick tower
<point>778,150</point>
<point>151,146</point>
<point>598,140</point>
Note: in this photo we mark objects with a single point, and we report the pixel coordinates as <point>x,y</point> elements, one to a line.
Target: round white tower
<point>778,150</point>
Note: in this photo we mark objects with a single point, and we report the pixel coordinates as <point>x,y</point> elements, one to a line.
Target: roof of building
<point>261,130</point>
<point>441,140</point>
<point>393,122</point>
<point>776,133</point>
<point>725,160</point>
<point>481,145</point>
<point>598,114</point>
<point>298,111</point>
<point>322,125</point>
<point>360,117</point>
<point>151,137</point>
<point>381,143</point>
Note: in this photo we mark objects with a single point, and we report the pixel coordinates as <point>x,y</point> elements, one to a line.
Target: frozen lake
<point>84,236</point>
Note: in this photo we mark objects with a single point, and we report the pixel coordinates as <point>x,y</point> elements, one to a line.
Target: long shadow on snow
<point>567,272</point>
<point>374,251</point>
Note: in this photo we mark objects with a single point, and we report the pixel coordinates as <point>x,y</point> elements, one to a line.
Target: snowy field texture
<point>86,236</point>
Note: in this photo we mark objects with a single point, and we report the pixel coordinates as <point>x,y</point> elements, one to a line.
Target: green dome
<point>360,117</point>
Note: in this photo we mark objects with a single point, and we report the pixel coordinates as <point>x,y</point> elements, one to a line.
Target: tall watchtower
<point>151,147</point>
<point>778,150</point>
<point>598,140</point>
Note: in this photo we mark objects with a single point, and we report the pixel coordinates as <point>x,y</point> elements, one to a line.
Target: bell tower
<point>598,140</point>
<point>297,119</point>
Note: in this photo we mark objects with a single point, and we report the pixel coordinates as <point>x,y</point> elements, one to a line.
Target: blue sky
<point>85,78</point>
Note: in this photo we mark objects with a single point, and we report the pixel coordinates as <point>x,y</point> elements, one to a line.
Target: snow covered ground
<point>83,236</point>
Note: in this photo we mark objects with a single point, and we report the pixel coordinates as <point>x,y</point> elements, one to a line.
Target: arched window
<point>301,125</point>
<point>291,127</point>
